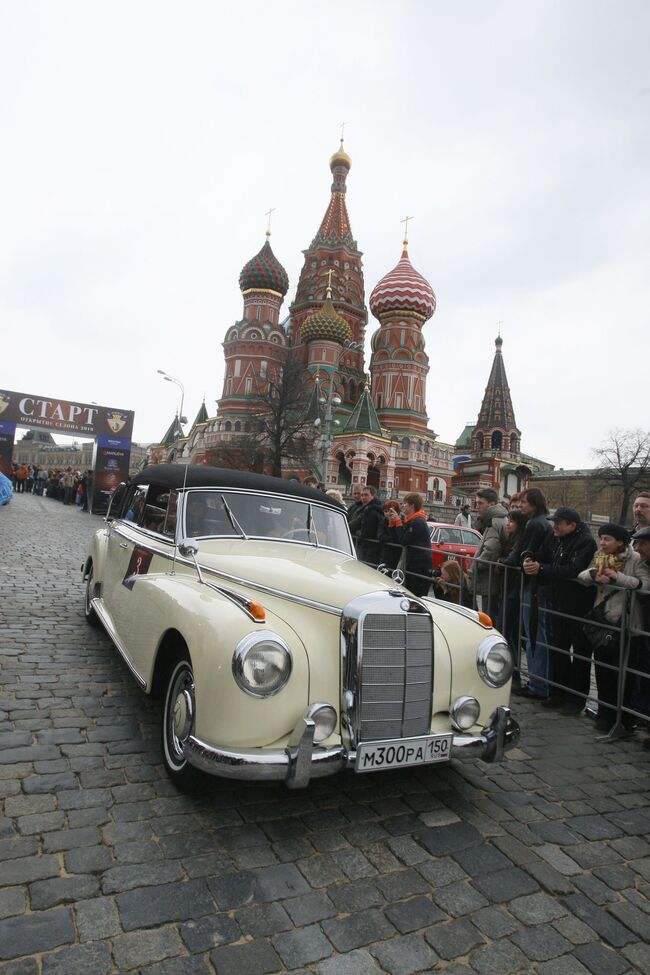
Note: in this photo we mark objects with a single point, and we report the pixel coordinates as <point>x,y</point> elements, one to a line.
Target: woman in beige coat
<point>616,564</point>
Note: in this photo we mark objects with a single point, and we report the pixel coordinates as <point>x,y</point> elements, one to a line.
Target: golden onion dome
<point>326,325</point>
<point>340,158</point>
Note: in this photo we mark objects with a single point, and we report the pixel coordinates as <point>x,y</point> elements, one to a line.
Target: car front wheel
<point>178,724</point>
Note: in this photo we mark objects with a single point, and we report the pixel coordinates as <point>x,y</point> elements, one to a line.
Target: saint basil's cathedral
<point>373,429</point>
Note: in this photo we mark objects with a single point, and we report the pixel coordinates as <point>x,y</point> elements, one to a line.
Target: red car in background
<point>452,542</point>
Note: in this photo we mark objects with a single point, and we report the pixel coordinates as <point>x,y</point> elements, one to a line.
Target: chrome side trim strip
<point>291,597</point>
<point>469,614</point>
<point>118,528</point>
<point>97,605</point>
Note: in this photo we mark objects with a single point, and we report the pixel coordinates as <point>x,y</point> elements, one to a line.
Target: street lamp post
<point>331,400</point>
<point>171,379</point>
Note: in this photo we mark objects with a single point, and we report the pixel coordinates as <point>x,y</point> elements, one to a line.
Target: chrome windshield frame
<point>312,542</point>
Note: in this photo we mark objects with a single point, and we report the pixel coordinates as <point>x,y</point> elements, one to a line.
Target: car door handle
<point>123,545</point>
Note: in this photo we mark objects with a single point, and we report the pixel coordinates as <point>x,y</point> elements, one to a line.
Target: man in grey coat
<point>482,578</point>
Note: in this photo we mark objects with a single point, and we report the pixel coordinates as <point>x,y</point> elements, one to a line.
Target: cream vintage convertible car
<point>239,599</point>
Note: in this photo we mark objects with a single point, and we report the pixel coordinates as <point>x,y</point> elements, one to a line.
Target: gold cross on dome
<point>268,226</point>
<point>499,324</point>
<point>405,221</point>
<point>329,283</point>
<point>343,124</point>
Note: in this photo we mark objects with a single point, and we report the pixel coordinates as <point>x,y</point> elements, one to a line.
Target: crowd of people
<point>561,598</point>
<point>62,484</point>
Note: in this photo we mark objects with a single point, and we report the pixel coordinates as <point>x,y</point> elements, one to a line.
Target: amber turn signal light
<point>257,611</point>
<point>484,619</point>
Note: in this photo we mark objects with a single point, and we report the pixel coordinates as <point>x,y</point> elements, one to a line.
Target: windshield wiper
<point>233,521</point>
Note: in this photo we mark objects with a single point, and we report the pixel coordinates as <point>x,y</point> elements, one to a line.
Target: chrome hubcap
<point>181,712</point>
<point>182,715</point>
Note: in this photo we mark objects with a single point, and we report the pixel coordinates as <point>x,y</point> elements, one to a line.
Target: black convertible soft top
<point>199,475</point>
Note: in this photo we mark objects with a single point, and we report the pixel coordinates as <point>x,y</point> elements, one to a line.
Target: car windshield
<point>224,513</point>
<point>449,536</point>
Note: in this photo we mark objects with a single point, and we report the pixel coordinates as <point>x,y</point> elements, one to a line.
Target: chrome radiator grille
<point>396,679</point>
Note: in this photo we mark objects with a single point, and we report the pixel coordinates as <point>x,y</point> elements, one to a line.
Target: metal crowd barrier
<point>507,591</point>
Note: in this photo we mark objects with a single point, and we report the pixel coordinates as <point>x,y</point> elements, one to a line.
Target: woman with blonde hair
<point>336,496</point>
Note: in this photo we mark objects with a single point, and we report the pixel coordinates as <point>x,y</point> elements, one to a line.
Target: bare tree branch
<point>281,429</point>
<point>624,460</point>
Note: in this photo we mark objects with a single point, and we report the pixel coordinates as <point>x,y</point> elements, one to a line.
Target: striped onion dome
<point>403,289</point>
<point>264,273</point>
<point>326,324</point>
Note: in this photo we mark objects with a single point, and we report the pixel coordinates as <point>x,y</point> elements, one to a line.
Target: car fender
<point>97,555</point>
<point>465,636</point>
<point>211,626</point>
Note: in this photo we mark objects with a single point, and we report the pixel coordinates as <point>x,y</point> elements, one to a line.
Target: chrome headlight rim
<point>457,707</point>
<point>484,650</point>
<point>242,650</point>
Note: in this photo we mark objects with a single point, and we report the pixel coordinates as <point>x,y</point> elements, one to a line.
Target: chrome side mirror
<point>188,548</point>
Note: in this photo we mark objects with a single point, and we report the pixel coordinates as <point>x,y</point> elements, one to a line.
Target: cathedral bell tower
<point>256,346</point>
<point>333,267</point>
<point>496,430</point>
<point>402,302</point>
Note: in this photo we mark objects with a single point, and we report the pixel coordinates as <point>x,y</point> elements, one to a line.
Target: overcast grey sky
<point>142,143</point>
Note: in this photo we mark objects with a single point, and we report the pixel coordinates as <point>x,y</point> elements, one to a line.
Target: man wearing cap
<point>572,550</point>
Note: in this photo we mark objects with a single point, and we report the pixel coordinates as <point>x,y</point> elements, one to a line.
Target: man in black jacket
<point>366,525</point>
<point>534,548</point>
<point>571,552</point>
<point>357,503</point>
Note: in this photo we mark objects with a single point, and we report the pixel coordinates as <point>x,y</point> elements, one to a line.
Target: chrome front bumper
<point>302,760</point>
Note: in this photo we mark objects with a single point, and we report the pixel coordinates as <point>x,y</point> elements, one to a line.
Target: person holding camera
<point>412,532</point>
<point>449,585</point>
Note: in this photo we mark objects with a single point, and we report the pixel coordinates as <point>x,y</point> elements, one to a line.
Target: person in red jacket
<point>412,532</point>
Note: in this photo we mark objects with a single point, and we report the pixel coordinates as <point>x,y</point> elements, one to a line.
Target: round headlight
<point>464,713</point>
<point>261,664</point>
<point>494,661</point>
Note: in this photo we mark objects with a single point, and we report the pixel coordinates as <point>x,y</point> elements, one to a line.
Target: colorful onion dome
<point>340,158</point>
<point>264,273</point>
<point>326,324</point>
<point>403,289</point>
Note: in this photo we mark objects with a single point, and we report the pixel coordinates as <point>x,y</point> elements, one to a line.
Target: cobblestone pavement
<point>539,865</point>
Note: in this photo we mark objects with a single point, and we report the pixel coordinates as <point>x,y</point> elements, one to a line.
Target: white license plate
<point>374,755</point>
